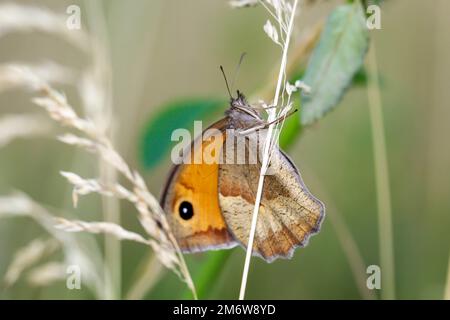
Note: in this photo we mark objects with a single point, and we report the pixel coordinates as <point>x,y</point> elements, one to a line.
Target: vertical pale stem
<point>346,239</point>
<point>110,205</point>
<point>386,242</point>
<point>447,286</point>
<point>152,271</point>
<point>265,161</point>
<point>113,254</point>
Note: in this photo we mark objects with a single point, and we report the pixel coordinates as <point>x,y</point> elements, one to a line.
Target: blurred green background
<point>163,51</point>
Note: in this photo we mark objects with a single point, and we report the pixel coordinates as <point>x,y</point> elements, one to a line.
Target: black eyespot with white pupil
<point>186,210</point>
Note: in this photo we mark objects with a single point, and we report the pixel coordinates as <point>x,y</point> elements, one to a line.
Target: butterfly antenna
<point>226,82</point>
<point>236,72</point>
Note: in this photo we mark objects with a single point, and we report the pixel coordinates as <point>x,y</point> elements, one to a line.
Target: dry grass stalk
<point>151,215</point>
<point>100,227</point>
<point>14,205</point>
<point>46,274</point>
<point>20,205</point>
<point>167,258</point>
<point>27,256</point>
<point>447,285</point>
<point>346,239</point>
<point>243,3</point>
<point>382,183</point>
<point>22,126</point>
<point>19,18</point>
<point>94,88</point>
<point>48,71</point>
<point>150,272</point>
<point>283,13</point>
<point>95,93</point>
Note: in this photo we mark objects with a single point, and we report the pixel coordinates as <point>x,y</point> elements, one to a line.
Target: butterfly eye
<point>186,210</point>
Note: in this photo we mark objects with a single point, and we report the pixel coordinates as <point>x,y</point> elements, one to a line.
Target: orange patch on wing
<point>201,190</point>
<point>198,184</point>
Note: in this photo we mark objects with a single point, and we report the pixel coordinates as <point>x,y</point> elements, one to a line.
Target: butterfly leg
<point>252,129</point>
<point>265,124</point>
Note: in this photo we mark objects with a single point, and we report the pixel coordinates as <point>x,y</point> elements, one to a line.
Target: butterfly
<point>210,205</point>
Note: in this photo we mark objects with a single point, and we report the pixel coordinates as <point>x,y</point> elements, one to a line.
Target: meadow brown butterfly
<point>210,205</point>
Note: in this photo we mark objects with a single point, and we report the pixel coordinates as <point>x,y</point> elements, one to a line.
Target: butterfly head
<point>239,101</point>
<point>240,107</point>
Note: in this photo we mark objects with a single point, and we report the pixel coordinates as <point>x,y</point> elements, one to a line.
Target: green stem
<point>149,274</point>
<point>110,206</point>
<point>447,286</point>
<point>386,242</point>
<point>206,276</point>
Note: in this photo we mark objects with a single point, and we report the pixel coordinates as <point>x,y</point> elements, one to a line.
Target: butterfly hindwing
<point>288,215</point>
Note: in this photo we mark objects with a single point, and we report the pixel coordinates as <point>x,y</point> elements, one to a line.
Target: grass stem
<point>151,271</point>
<point>110,205</point>
<point>447,286</point>
<point>266,156</point>
<point>345,238</point>
<point>386,243</point>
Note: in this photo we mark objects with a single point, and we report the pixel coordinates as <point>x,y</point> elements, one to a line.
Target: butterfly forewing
<point>191,201</point>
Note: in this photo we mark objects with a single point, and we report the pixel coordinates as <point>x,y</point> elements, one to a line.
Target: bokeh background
<point>166,50</point>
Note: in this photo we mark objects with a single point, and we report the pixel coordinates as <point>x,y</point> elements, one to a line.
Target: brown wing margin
<point>289,213</point>
<point>295,235</point>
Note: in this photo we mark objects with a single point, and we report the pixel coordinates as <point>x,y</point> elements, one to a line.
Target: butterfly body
<point>210,205</point>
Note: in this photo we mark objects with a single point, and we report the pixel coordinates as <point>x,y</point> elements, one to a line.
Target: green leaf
<point>369,2</point>
<point>291,128</point>
<point>156,142</point>
<point>338,56</point>
<point>360,78</point>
